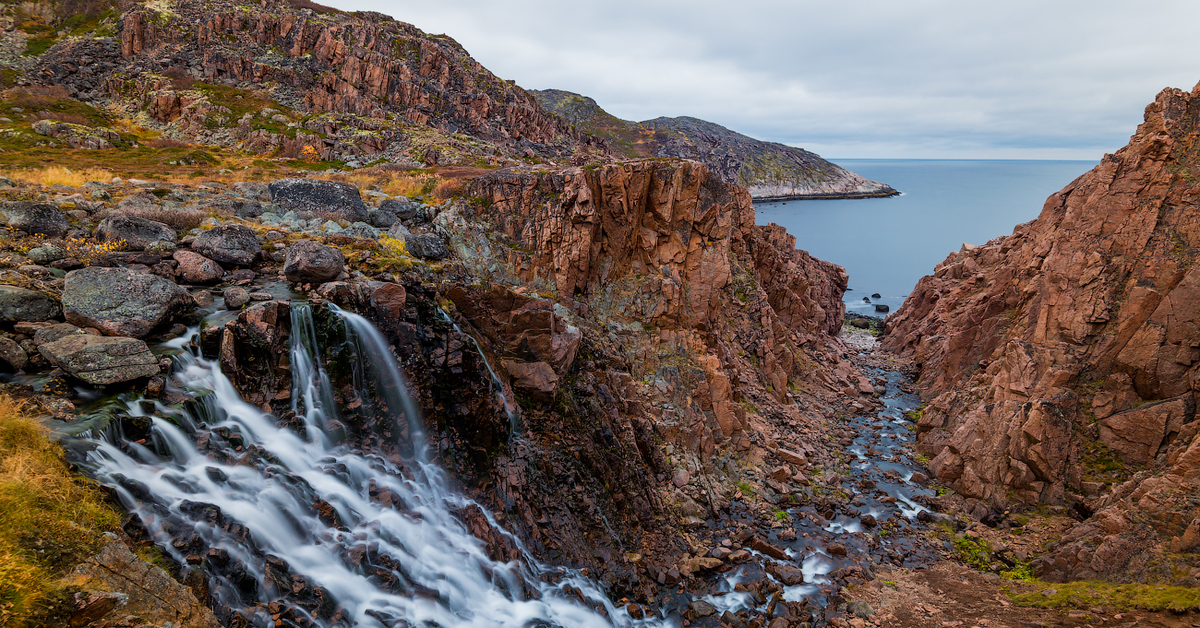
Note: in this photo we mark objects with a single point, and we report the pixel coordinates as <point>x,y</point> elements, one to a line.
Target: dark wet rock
<point>876,296</point>
<point>787,574</point>
<point>12,355</point>
<point>99,360</point>
<point>328,199</point>
<point>836,549</point>
<point>700,608</point>
<point>121,302</point>
<point>36,218</point>
<point>235,298</point>
<point>137,233</point>
<point>20,304</point>
<point>879,307</point>
<point>764,547</point>
<point>426,246</point>
<point>194,268</point>
<point>228,244</point>
<point>310,262</point>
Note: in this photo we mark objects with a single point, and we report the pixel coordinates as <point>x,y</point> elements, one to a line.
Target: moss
<point>49,519</point>
<point>1090,594</point>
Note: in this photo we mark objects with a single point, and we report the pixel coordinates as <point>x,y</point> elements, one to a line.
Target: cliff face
<point>769,170</point>
<point>1061,360</point>
<point>343,84</point>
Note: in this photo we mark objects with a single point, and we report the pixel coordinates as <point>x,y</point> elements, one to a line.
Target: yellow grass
<point>58,175</point>
<point>50,519</point>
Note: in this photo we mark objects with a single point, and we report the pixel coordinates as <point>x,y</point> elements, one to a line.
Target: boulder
<point>137,233</point>
<point>121,302</point>
<point>402,209</point>
<point>148,592</point>
<point>194,268</point>
<point>310,262</point>
<point>328,199</point>
<point>426,246</point>
<point>228,244</point>
<point>36,218</point>
<point>253,190</point>
<point>100,360</point>
<point>50,333</point>
<point>235,298</point>
<point>11,354</point>
<point>22,305</point>
<point>382,219</point>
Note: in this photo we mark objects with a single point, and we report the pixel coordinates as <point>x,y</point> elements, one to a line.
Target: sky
<point>954,79</point>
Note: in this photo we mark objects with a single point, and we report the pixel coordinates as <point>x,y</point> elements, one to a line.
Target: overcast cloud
<point>849,78</point>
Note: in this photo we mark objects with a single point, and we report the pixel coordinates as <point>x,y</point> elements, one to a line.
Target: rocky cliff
<point>771,171</point>
<point>1060,363</point>
<point>280,78</point>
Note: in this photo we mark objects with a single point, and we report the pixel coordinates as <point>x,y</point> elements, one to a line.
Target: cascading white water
<point>280,514</point>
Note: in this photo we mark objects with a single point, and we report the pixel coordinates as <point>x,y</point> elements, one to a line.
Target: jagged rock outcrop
<point>771,171</point>
<point>1060,359</point>
<point>244,75</point>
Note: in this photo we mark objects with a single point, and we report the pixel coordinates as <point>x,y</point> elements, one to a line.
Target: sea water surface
<point>887,244</point>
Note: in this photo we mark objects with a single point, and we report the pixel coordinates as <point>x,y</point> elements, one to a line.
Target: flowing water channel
<point>288,524</point>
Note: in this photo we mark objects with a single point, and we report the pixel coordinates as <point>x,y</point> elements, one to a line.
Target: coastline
<point>826,196</point>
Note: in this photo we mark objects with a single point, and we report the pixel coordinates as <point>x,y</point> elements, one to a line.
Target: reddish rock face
<point>1041,348</point>
<point>363,63</point>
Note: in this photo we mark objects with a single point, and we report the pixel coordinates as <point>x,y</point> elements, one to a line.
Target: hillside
<point>768,169</point>
<point>279,80</point>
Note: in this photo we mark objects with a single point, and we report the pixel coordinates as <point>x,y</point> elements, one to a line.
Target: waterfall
<point>289,525</point>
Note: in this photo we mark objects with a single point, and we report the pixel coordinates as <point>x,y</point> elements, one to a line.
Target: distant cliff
<point>769,170</point>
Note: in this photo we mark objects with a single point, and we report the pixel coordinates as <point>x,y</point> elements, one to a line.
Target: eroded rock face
<point>120,302</point>
<point>1076,334</point>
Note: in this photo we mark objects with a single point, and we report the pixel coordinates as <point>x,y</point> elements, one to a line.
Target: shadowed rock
<point>20,304</point>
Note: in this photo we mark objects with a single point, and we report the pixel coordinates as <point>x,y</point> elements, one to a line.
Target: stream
<point>289,525</point>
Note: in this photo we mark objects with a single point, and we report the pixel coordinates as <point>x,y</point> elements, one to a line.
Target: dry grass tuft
<point>50,519</point>
<point>58,175</point>
<point>450,188</point>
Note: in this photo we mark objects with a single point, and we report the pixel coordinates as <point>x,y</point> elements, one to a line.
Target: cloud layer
<point>858,78</point>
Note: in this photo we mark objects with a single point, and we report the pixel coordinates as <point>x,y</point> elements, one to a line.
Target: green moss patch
<point>1091,594</point>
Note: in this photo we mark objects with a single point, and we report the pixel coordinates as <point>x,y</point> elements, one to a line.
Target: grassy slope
<point>50,519</point>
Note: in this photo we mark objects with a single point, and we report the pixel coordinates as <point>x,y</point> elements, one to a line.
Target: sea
<point>887,244</point>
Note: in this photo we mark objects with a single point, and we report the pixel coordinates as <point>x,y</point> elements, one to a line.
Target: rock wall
<point>1061,360</point>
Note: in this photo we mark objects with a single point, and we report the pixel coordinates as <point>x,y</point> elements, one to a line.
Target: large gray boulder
<point>99,360</point>
<point>36,218</point>
<point>228,244</point>
<point>120,302</point>
<point>22,305</point>
<point>328,199</point>
<point>310,262</point>
<point>137,233</point>
<point>426,246</point>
